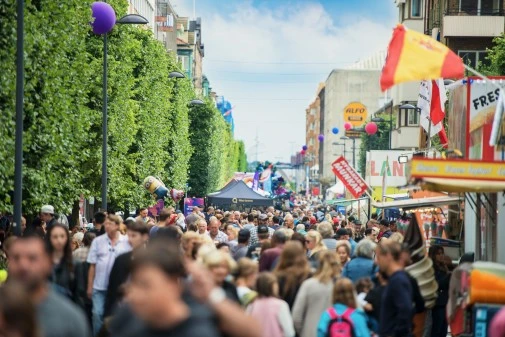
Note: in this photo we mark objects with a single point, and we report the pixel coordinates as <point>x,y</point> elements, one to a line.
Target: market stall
<point>237,195</point>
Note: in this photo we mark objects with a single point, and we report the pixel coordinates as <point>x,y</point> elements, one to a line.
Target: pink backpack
<point>340,325</point>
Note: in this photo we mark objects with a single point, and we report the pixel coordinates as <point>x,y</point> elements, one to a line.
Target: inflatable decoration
<point>304,148</point>
<point>320,137</point>
<point>303,152</point>
<point>422,267</point>
<point>104,17</point>
<point>159,191</point>
<point>335,131</point>
<point>347,126</point>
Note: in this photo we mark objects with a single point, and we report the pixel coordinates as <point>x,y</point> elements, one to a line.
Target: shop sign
<point>355,113</point>
<point>457,169</point>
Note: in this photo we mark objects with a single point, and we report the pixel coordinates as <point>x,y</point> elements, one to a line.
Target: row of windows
<point>414,8</point>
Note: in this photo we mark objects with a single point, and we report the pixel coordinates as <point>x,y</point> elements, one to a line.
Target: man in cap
<point>243,244</point>
<point>47,215</point>
<point>263,235</point>
<point>385,232</point>
<point>262,220</point>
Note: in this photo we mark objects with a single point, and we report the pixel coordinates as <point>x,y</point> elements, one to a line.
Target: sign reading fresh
<point>351,179</point>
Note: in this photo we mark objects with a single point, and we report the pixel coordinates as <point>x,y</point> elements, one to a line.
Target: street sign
<point>353,134</point>
<point>356,114</point>
<point>351,179</point>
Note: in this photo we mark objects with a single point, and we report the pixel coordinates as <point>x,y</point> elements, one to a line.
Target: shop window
<point>415,8</point>
<point>474,58</point>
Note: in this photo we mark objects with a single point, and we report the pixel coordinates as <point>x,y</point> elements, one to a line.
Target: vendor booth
<point>237,195</point>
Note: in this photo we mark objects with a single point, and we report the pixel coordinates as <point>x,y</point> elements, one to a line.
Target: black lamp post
<point>345,138</point>
<point>18,155</point>
<point>130,19</point>
<point>196,102</point>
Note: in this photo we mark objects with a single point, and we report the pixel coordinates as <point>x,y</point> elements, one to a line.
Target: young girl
<point>272,312</point>
<point>345,307</point>
<point>59,245</point>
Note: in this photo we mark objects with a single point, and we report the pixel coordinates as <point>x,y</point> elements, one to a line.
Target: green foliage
<point>379,141</point>
<point>495,58</point>
<point>148,117</point>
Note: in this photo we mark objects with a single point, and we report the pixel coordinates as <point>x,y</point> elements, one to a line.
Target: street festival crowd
<point>305,272</point>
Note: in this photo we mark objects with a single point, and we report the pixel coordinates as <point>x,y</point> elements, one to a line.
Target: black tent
<point>238,193</point>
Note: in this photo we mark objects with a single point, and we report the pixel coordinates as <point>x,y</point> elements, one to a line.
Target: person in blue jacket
<point>363,264</point>
<point>344,297</point>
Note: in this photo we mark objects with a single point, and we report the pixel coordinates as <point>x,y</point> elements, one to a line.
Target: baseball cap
<point>357,222</point>
<point>244,234</point>
<point>384,222</point>
<point>47,209</point>
<point>341,232</point>
<point>262,229</point>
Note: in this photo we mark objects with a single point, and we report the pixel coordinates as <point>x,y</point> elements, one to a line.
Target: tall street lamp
<point>345,138</point>
<point>196,102</point>
<point>20,87</point>
<point>104,22</point>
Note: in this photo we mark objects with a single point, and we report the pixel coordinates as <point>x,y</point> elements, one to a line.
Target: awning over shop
<point>422,202</point>
<point>462,185</point>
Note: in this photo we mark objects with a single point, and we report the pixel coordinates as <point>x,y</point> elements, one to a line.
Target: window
<point>415,8</point>
<point>413,117</point>
<point>474,58</point>
<point>480,7</point>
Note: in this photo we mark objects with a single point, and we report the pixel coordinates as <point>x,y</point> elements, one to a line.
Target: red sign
<point>349,177</point>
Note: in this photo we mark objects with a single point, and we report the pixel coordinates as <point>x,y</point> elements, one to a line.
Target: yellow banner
<point>457,169</point>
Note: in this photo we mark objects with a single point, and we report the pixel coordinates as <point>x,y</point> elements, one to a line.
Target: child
<point>363,286</point>
<point>273,312</point>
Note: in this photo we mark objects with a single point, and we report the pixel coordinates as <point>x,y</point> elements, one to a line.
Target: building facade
<point>146,8</point>
<point>312,129</point>
<point>190,50</point>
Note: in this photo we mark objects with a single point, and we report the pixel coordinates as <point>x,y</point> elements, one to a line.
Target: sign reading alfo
<point>457,169</point>
<point>355,113</point>
<point>349,177</point>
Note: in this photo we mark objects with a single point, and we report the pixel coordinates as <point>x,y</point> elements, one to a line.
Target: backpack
<point>340,325</point>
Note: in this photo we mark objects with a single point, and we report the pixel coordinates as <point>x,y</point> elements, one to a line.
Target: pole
<point>429,134</point>
<point>307,179</point>
<point>354,153</point>
<point>18,156</point>
<point>104,126</point>
<point>391,127</point>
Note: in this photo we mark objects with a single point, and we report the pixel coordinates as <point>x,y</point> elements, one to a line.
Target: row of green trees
<point>152,131</point>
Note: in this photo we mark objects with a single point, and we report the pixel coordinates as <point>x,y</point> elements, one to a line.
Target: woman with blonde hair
<point>189,239</point>
<point>315,294</point>
<point>315,245</point>
<point>344,251</point>
<point>221,265</point>
<point>344,316</point>
<point>247,273</point>
<point>293,268</point>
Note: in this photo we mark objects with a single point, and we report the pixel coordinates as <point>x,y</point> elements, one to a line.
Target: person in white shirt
<point>102,254</point>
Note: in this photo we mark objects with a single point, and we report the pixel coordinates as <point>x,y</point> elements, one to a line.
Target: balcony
<point>405,137</point>
<point>474,21</point>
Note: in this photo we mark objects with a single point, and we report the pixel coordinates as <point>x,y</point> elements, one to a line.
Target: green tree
<point>379,141</point>
<point>495,58</point>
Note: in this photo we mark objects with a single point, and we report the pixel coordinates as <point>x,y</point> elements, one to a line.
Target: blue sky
<point>268,56</point>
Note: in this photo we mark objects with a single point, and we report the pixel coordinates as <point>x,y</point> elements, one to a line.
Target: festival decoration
<point>159,191</point>
<point>371,128</point>
<point>347,126</point>
<point>335,131</point>
<point>320,137</point>
<point>304,148</point>
<point>302,152</point>
<point>104,17</point>
<point>226,110</point>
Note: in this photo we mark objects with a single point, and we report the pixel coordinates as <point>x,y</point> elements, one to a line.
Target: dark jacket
<point>443,278</point>
<point>118,276</point>
<point>62,279</point>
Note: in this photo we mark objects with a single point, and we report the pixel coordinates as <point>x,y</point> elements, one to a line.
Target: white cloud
<point>303,33</point>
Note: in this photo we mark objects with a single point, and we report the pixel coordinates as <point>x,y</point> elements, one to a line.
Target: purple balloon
<point>104,17</point>
<point>320,137</point>
<point>304,148</point>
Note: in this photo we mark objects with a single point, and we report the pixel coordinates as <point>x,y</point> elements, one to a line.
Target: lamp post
<point>18,154</point>
<point>129,19</point>
<point>345,138</point>
<point>196,102</point>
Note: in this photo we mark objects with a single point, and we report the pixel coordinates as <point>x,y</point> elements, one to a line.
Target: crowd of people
<point>308,272</point>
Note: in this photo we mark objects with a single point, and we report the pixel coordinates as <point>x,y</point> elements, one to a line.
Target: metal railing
<point>474,10</point>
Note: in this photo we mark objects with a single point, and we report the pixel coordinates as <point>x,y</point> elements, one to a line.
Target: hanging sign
<point>351,179</point>
<point>356,114</point>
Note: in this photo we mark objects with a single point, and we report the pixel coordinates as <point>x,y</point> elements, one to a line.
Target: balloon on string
<point>303,152</point>
<point>347,126</point>
<point>334,130</point>
<point>304,148</point>
<point>371,128</point>
<point>104,17</point>
<point>320,137</point>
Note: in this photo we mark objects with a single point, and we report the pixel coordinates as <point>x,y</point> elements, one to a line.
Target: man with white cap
<point>47,215</point>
